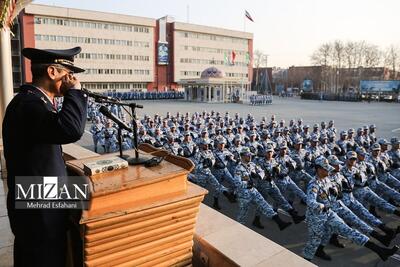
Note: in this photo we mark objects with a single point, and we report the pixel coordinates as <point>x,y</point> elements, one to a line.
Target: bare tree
<point>350,53</point>
<point>372,56</point>
<point>322,56</point>
<point>392,59</point>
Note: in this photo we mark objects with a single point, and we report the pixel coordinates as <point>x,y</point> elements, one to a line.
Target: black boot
<point>229,196</point>
<point>384,239</point>
<point>383,253</point>
<point>281,224</point>
<point>372,210</point>
<point>257,222</point>
<point>388,230</point>
<point>393,202</point>
<point>216,204</point>
<point>397,212</point>
<point>320,253</point>
<point>335,241</point>
<point>296,218</point>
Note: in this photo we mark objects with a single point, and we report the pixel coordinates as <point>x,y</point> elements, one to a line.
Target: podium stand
<point>140,216</point>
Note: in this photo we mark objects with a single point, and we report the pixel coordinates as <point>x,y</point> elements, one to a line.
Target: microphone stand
<point>137,160</point>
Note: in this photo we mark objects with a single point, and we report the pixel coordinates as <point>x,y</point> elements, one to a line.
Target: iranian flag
<point>233,57</point>
<point>247,14</point>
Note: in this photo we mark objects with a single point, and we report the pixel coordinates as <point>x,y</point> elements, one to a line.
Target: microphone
<point>115,119</point>
<point>98,96</point>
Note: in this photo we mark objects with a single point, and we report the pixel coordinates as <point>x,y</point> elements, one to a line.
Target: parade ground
<point>345,114</point>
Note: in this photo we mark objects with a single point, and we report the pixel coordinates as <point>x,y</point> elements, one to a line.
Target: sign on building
<point>380,86</point>
<point>162,50</point>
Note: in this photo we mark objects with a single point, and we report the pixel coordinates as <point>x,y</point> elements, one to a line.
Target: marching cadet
<point>245,173</point>
<point>382,170</point>
<point>331,127</point>
<point>110,137</point>
<point>159,138</point>
<point>342,144</point>
<point>189,147</point>
<point>394,155</point>
<point>97,131</point>
<point>380,188</point>
<point>347,215</point>
<point>372,135</point>
<point>361,191</point>
<point>351,202</point>
<point>268,187</point>
<point>253,144</point>
<point>299,175</point>
<point>41,234</point>
<point>172,146</point>
<point>144,137</point>
<point>229,136</point>
<point>283,181</point>
<point>204,161</point>
<point>322,221</point>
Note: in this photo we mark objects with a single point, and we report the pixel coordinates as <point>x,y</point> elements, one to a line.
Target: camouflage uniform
<point>247,193</point>
<point>322,221</point>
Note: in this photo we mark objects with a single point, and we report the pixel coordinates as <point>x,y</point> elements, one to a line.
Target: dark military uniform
<point>33,132</point>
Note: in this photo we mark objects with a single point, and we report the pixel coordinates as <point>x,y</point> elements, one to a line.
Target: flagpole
<point>244,23</point>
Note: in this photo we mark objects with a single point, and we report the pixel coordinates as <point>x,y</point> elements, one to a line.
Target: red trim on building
<point>163,74</point>
<point>27,40</point>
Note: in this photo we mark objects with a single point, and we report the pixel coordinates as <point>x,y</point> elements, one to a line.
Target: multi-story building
<point>125,53</point>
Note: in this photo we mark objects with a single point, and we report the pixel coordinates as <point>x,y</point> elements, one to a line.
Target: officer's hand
<point>69,81</point>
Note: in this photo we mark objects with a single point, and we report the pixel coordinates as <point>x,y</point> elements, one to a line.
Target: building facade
<point>130,53</point>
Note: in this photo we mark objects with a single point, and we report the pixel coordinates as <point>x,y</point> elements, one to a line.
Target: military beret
<point>64,57</point>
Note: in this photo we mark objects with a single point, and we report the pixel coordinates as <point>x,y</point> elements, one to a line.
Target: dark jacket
<point>33,132</point>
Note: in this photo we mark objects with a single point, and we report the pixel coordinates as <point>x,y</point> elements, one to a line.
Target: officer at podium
<point>33,131</point>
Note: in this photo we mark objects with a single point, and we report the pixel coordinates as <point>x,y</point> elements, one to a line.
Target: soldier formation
<point>342,182</point>
<point>256,100</point>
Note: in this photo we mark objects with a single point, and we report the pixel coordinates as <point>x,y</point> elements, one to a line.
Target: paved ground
<point>346,115</point>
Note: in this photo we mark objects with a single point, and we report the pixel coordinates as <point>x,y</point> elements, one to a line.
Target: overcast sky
<point>287,30</point>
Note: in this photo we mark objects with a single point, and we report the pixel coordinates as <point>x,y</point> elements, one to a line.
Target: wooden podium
<point>140,216</point>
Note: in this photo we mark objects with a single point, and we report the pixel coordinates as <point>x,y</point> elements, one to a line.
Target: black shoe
<point>296,218</point>
<point>320,253</point>
<point>216,204</point>
<point>393,202</point>
<point>257,222</point>
<point>372,210</point>
<point>229,196</point>
<point>388,230</point>
<point>397,212</point>
<point>383,253</point>
<point>384,239</point>
<point>281,224</point>
<point>335,241</point>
